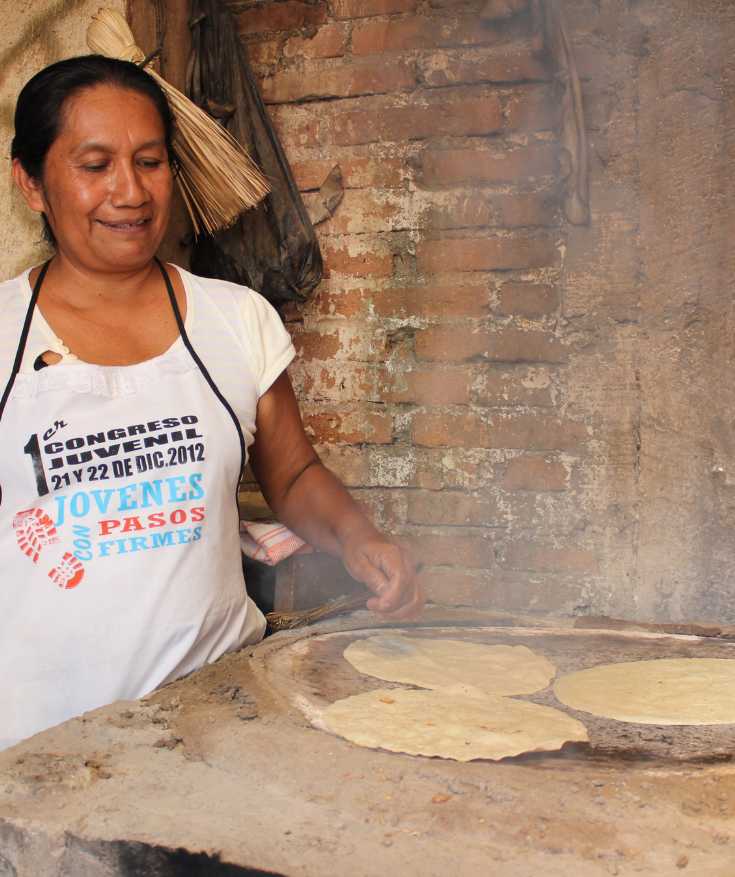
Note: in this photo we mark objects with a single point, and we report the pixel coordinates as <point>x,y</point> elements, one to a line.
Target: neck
<point>82,287</point>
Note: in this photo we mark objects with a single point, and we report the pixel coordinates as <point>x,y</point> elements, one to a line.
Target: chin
<point>123,254</point>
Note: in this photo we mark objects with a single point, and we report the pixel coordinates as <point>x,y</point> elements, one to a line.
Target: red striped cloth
<point>270,542</point>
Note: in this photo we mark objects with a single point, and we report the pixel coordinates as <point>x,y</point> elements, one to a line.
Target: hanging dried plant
<point>217,178</point>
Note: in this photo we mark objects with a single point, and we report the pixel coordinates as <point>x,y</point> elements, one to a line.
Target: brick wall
<point>432,358</point>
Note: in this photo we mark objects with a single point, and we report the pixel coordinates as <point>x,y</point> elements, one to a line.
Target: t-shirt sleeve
<point>269,342</point>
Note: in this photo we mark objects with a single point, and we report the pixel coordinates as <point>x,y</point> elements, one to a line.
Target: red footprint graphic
<point>34,530</point>
<point>68,573</point>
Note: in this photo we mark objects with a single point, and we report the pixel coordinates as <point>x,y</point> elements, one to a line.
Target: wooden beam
<point>165,24</point>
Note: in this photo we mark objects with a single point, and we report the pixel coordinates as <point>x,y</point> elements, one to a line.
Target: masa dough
<point>451,665</point>
<point>667,691</point>
<point>448,725</point>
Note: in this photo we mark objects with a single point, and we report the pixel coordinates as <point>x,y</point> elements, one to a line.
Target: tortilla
<point>448,725</point>
<point>667,691</point>
<point>451,665</point>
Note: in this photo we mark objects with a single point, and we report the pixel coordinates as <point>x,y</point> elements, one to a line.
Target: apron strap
<point>22,341</point>
<point>203,369</point>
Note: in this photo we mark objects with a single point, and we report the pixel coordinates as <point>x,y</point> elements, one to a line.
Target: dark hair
<point>40,105</point>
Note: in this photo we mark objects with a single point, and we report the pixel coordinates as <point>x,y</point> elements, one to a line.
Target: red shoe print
<point>68,573</point>
<point>34,530</point>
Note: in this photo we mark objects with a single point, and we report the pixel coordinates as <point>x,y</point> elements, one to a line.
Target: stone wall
<point>543,410</point>
<point>33,35</point>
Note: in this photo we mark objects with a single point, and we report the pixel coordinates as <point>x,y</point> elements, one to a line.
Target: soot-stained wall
<point>648,304</point>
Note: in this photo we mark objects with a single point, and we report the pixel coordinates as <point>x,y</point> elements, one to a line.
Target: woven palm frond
<point>300,618</point>
<point>217,178</point>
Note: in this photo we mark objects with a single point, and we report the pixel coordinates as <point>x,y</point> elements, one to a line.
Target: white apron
<point>121,565</point>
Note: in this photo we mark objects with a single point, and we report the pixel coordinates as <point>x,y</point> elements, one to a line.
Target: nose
<point>128,189</point>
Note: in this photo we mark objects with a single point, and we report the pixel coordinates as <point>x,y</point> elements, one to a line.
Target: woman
<point>134,393</point>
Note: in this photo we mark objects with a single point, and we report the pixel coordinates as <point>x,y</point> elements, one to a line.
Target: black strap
<point>22,341</point>
<point>203,369</point>
<point>23,338</point>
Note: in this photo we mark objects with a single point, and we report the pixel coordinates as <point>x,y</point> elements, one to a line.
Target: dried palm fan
<point>300,618</point>
<point>217,178</point>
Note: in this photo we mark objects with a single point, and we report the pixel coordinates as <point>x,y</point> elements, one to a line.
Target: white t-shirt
<point>119,543</point>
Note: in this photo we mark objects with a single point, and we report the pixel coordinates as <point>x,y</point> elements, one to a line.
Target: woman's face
<point>107,183</point>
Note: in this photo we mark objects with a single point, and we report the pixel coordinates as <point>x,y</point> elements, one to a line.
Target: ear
<point>30,188</point>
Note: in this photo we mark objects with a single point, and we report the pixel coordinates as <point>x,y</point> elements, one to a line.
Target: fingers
<point>401,596</point>
<point>389,572</point>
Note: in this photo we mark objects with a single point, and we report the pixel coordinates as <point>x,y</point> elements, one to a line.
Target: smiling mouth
<point>135,225</point>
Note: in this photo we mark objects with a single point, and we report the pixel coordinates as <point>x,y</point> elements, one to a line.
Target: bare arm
<point>312,502</point>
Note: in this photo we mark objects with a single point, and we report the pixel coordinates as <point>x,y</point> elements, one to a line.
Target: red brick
<point>367,8</point>
<point>453,116</point>
<point>447,167</point>
<point>289,15</point>
<point>310,173</point>
<point>316,345</point>
<point>429,302</point>
<point>348,463</point>
<point>441,549</point>
<point>535,432</point>
<point>347,424</point>
<point>392,466</point>
<point>519,386</point>
<point>463,468</point>
<point>432,302</point>
<point>387,209</point>
<point>527,300</point>
<point>441,68</point>
<point>539,558</point>
<point>452,508</point>
<point>451,343</point>
<point>523,431</point>
<point>314,81</point>
<point>357,173</point>
<point>296,126</point>
<point>368,210</point>
<point>535,109</point>
<point>485,254</point>
<point>387,508</point>
<point>350,382</point>
<point>429,475</point>
<point>263,54</point>
<point>330,301</point>
<point>351,341</point>
<point>329,41</point>
<point>457,587</point>
<point>382,172</point>
<point>471,208</point>
<point>428,386</point>
<point>520,345</point>
<point>360,258</point>
<point>535,473</point>
<point>460,343</point>
<point>450,430</point>
<point>407,34</point>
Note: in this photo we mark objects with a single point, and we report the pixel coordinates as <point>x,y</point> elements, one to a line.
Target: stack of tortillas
<point>464,711</point>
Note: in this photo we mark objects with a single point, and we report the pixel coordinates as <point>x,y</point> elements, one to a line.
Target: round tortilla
<point>445,725</point>
<point>667,691</point>
<point>451,665</point>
